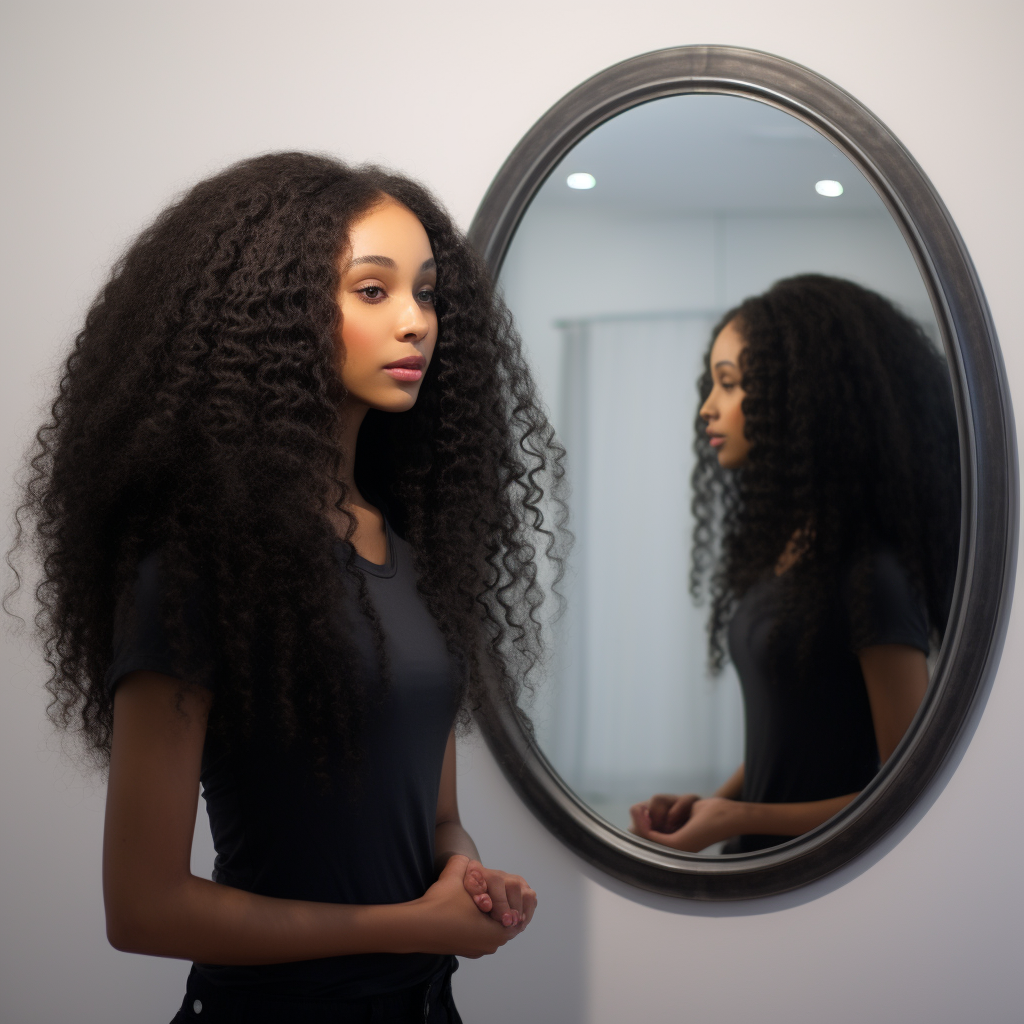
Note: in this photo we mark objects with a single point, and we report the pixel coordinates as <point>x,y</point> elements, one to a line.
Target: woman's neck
<point>365,522</point>
<point>352,416</point>
<point>796,546</point>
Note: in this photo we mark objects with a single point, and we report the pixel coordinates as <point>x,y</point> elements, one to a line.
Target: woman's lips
<point>408,370</point>
<point>717,440</point>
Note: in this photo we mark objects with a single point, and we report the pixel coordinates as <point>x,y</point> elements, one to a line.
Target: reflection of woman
<point>235,594</point>
<point>828,468</point>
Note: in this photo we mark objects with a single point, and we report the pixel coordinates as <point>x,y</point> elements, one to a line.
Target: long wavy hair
<point>198,415</point>
<point>853,445</point>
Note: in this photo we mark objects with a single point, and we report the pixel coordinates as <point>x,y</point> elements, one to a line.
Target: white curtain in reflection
<point>634,709</point>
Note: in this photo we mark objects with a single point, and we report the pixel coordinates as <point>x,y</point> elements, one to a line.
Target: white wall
<point>565,265</point>
<point>110,107</point>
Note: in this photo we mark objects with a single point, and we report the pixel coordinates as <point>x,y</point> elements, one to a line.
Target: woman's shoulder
<point>880,566</point>
<point>142,640</point>
<point>886,605</point>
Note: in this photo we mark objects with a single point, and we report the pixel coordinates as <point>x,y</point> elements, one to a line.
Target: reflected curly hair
<point>197,415</point>
<point>853,444</point>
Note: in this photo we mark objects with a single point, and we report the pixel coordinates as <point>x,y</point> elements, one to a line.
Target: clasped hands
<point>505,898</point>
<point>688,823</point>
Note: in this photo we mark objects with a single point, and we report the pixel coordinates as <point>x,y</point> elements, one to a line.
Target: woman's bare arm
<point>449,835</point>
<point>896,677</point>
<point>733,786</point>
<point>155,905</point>
<point>507,898</point>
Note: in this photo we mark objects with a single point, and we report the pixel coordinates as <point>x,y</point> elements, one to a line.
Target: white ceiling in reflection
<point>721,154</point>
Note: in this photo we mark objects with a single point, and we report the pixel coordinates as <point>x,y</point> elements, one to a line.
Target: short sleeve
<point>141,641</point>
<point>893,611</point>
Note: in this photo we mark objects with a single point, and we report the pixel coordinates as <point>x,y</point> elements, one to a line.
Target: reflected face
<point>386,297</point>
<point>722,411</point>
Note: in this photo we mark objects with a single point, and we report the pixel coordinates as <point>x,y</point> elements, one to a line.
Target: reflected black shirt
<point>368,837</point>
<point>814,740</point>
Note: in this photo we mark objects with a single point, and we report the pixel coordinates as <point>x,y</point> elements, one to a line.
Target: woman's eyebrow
<point>388,263</point>
<point>378,261</point>
<point>725,362</point>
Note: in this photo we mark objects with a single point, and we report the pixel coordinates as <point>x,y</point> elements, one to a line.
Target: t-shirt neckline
<point>382,570</point>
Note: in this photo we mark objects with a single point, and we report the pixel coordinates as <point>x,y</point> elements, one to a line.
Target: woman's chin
<point>727,461</point>
<point>384,395</point>
<point>394,399</point>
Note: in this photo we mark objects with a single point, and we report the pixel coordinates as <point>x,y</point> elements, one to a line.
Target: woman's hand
<point>506,898</point>
<point>665,812</point>
<point>451,921</point>
<point>708,821</point>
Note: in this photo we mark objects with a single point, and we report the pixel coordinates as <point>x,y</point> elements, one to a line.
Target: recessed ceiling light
<point>581,180</point>
<point>829,188</point>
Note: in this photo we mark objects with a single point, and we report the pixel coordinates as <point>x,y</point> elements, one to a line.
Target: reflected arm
<point>733,786</point>
<point>719,818</point>
<point>896,678</point>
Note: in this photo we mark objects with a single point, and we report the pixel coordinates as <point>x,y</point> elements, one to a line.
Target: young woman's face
<point>723,409</point>
<point>386,297</point>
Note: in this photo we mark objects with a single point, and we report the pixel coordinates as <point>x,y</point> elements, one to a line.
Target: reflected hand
<point>709,821</point>
<point>505,898</point>
<point>667,813</point>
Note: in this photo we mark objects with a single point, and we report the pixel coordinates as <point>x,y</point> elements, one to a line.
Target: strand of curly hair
<point>197,416</point>
<point>853,445</point>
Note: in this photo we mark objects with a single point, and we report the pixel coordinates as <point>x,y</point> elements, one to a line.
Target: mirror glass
<point>653,226</point>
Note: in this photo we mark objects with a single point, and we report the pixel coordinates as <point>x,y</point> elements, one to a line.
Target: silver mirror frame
<point>988,543</point>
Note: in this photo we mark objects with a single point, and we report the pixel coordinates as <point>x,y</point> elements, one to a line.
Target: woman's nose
<point>412,323</point>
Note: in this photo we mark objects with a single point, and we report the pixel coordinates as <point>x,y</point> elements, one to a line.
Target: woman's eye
<point>425,295</point>
<point>373,292</point>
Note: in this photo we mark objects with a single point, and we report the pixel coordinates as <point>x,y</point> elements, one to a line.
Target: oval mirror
<point>649,202</point>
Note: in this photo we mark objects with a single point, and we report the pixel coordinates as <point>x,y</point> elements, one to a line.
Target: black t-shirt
<point>368,837</point>
<point>814,739</point>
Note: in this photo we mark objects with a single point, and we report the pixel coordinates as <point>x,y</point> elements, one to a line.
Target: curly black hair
<point>849,412</point>
<point>198,416</point>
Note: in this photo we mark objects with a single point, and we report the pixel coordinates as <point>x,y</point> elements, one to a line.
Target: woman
<point>287,506</point>
<point>828,466</point>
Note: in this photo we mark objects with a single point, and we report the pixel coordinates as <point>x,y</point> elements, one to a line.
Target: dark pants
<point>428,1003</point>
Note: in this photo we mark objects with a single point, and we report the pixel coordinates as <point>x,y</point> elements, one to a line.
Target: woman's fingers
<point>658,808</point>
<point>529,904</point>
<point>679,812</point>
<point>514,893</point>
<point>667,811</point>
<point>501,910</point>
<point>641,820</point>
<point>708,821</point>
<point>513,900</point>
<point>476,885</point>
<point>474,880</point>
<point>522,901</point>
<point>506,898</point>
